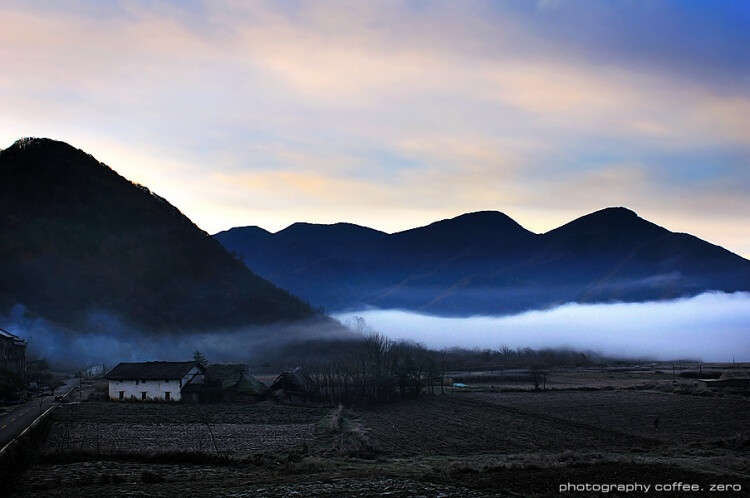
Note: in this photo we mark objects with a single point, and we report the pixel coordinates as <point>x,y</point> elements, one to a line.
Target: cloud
<point>710,327</point>
<point>394,107</point>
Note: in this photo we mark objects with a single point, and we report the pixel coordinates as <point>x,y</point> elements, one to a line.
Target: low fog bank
<point>712,327</point>
<point>108,341</point>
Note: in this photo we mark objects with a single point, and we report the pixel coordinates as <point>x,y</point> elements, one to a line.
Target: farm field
<point>459,425</point>
<point>457,444</point>
<point>230,429</point>
<point>176,413</point>
<point>654,375</point>
<point>232,439</point>
<point>137,479</point>
<point>681,419</point>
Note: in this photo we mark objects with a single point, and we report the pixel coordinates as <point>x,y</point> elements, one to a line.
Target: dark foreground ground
<point>483,443</point>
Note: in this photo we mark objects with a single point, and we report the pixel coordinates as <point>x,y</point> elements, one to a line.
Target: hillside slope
<point>78,239</point>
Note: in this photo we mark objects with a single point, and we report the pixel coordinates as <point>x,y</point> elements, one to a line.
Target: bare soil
<point>136,479</point>
<point>266,412</point>
<point>459,424</point>
<point>459,444</point>
<point>681,418</point>
<point>235,439</point>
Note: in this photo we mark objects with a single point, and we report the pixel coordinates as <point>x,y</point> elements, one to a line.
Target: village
<point>196,428</point>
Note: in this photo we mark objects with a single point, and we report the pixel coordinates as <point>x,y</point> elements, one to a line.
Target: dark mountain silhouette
<point>76,238</point>
<point>486,263</point>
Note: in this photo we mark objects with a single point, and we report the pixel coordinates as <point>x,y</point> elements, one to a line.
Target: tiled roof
<point>8,335</point>
<point>152,370</point>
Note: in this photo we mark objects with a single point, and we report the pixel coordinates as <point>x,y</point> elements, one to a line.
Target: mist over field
<point>109,341</point>
<point>713,327</point>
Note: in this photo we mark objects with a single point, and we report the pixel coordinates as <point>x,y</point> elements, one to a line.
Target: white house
<point>152,380</point>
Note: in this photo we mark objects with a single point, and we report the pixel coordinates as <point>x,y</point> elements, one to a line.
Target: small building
<point>738,380</point>
<point>13,354</point>
<point>232,382</point>
<point>154,380</point>
<point>294,384</point>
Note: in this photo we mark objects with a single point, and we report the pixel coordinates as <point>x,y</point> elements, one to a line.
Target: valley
<point>485,439</point>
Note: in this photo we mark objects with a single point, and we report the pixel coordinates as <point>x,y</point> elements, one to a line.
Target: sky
<point>394,114</point>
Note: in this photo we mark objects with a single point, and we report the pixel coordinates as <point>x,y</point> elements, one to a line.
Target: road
<point>18,418</point>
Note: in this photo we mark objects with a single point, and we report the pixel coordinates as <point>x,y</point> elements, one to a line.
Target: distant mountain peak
<point>618,209</point>
<point>474,223</point>
<point>248,229</point>
<point>308,226</point>
<point>486,217</point>
<point>336,235</point>
<point>612,220</point>
<point>484,262</point>
<point>618,212</point>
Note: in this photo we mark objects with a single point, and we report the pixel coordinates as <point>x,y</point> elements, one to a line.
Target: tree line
<point>374,369</point>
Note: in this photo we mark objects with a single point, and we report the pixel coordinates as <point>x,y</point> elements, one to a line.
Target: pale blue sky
<point>394,114</point>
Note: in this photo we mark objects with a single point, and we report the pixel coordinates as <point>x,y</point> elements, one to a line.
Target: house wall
<point>154,389</point>
<point>13,356</point>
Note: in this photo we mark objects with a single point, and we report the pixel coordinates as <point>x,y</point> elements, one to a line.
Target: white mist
<point>711,327</point>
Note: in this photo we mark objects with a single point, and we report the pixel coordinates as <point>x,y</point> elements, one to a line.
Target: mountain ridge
<point>486,263</point>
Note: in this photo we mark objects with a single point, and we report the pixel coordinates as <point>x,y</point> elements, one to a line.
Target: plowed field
<point>459,424</point>
<point>681,419</point>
